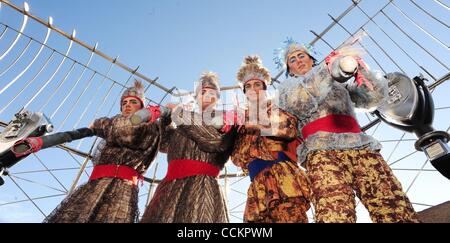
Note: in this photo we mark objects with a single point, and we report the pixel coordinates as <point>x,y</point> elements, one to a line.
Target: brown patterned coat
<point>279,193</point>
<point>194,199</point>
<point>112,200</point>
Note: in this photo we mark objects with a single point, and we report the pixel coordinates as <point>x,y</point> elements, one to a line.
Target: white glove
<point>348,65</point>
<point>142,115</point>
<point>344,68</point>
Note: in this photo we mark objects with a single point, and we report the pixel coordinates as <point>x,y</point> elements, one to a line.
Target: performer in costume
<point>340,159</point>
<point>266,149</point>
<point>196,152</point>
<point>111,194</point>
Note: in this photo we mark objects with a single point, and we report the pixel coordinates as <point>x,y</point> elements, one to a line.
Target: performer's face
<point>299,63</point>
<point>207,97</point>
<point>254,90</point>
<point>130,105</point>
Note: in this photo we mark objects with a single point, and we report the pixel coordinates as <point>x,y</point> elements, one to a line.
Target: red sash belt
<point>332,123</point>
<point>182,168</point>
<point>116,171</point>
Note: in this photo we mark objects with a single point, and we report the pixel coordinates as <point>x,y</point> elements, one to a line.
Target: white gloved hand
<point>344,68</point>
<point>348,65</point>
<point>142,115</point>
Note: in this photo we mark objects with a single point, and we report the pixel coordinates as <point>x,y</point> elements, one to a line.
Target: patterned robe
<point>317,95</point>
<point>194,199</point>
<point>280,192</point>
<point>340,164</point>
<point>112,200</point>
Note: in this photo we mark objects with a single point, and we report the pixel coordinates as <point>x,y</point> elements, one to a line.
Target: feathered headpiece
<point>290,46</point>
<point>252,69</point>
<point>210,80</point>
<point>137,91</point>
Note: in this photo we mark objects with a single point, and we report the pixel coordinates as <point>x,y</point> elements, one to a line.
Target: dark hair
<point>315,63</point>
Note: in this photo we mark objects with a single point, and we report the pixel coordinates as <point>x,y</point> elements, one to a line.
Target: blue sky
<point>178,40</point>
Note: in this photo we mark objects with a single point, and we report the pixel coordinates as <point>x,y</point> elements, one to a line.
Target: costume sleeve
<point>304,93</point>
<point>123,133</point>
<point>208,138</point>
<point>371,94</point>
<point>283,126</point>
<point>146,135</point>
<point>238,153</point>
<point>102,127</point>
<point>166,134</point>
<point>166,129</point>
<point>318,81</point>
